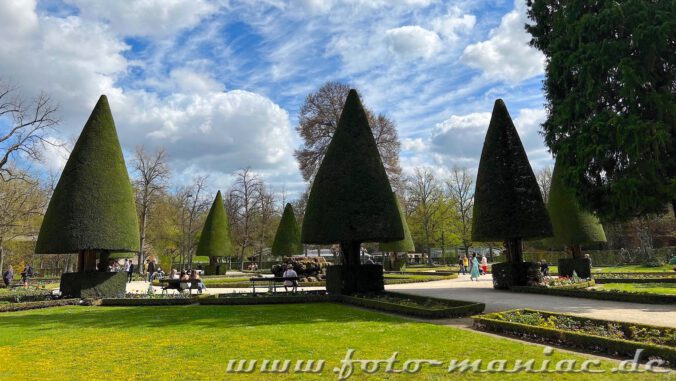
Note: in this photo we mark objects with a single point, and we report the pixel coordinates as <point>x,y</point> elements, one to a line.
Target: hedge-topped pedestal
<point>508,274</point>
<point>348,279</point>
<point>581,267</point>
<point>93,285</point>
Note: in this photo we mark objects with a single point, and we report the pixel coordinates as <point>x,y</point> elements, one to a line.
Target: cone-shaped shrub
<point>215,238</point>
<point>351,200</point>
<point>508,204</point>
<point>92,207</point>
<point>404,245</point>
<point>287,238</point>
<point>572,225</point>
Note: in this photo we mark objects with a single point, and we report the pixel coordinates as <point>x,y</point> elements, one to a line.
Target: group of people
<point>26,274</point>
<point>474,266</point>
<point>191,276</point>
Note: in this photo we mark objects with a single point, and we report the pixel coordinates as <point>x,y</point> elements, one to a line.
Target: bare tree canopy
<point>460,185</point>
<point>243,203</point>
<point>25,132</point>
<point>544,178</point>
<point>318,119</point>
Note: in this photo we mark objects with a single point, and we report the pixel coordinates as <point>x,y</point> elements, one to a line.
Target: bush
<point>581,266</point>
<point>11,307</point>
<point>507,274</point>
<point>218,269</point>
<point>93,285</point>
<point>424,307</point>
<point>619,296</point>
<point>593,334</point>
<point>348,279</point>
<point>247,299</point>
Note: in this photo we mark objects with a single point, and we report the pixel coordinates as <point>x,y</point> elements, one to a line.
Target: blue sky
<point>219,83</point>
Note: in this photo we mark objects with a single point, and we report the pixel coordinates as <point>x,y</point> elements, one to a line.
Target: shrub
<point>620,296</point>
<point>347,279</point>
<point>507,274</point>
<point>424,307</point>
<point>93,284</point>
<point>581,266</point>
<point>11,307</point>
<point>215,238</point>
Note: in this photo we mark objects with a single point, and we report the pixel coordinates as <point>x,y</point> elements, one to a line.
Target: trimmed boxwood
<point>248,299</point>
<point>581,266</point>
<point>455,308</point>
<point>119,302</point>
<point>347,279</point>
<point>618,296</point>
<point>588,341</point>
<point>508,274</point>
<point>11,307</point>
<point>94,285</point>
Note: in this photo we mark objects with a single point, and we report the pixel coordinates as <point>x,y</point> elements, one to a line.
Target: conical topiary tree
<point>508,204</point>
<point>351,200</point>
<point>92,210</point>
<point>572,226</point>
<point>287,238</point>
<point>215,241</point>
<point>404,245</point>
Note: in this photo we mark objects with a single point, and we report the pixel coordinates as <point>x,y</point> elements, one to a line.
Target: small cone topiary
<point>404,245</point>
<point>215,239</point>
<point>92,208</point>
<point>508,204</point>
<point>351,200</point>
<point>572,226</point>
<point>287,239</point>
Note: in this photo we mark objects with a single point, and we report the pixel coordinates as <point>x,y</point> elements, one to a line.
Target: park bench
<point>269,282</point>
<point>177,284</point>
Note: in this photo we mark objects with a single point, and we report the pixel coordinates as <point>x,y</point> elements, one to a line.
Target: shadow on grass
<point>225,317</point>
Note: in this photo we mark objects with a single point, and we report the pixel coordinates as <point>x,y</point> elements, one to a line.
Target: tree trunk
<point>514,250</point>
<point>86,261</point>
<point>141,252</point>
<point>103,260</point>
<point>350,250</point>
<point>2,257</point>
<point>575,251</point>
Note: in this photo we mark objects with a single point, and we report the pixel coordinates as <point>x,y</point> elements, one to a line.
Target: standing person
<point>8,276</point>
<point>474,274</point>
<point>151,270</point>
<point>26,274</point>
<point>484,264</point>
<point>465,263</point>
<point>130,272</point>
<point>290,273</point>
<point>127,262</point>
<point>462,265</point>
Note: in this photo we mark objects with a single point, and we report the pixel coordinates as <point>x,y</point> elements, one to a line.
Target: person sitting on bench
<point>290,273</point>
<point>196,282</point>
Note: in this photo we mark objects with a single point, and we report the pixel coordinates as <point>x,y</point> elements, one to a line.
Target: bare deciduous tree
<point>460,185</point>
<point>544,179</point>
<point>424,193</point>
<point>191,207</point>
<point>318,120</point>
<point>244,203</point>
<point>25,132</point>
<point>153,174</point>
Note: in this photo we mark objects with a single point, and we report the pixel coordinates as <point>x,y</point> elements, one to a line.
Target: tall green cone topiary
<point>351,200</point>
<point>572,225</point>
<point>287,238</point>
<point>404,245</point>
<point>215,239</point>
<point>92,209</point>
<point>508,204</point>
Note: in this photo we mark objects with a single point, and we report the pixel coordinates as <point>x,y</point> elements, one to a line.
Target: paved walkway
<point>496,300</point>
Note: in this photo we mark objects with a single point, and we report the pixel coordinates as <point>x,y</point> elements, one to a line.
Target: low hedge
<point>131,302</point>
<point>618,296</point>
<point>93,284</point>
<point>508,274</point>
<point>603,279</point>
<point>11,307</point>
<point>348,279</point>
<point>490,322</point>
<point>19,297</point>
<point>576,286</point>
<point>454,308</point>
<point>249,299</point>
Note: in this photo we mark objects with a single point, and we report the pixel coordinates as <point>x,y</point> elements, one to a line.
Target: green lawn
<point>196,342</point>
<point>652,288</point>
<point>634,269</point>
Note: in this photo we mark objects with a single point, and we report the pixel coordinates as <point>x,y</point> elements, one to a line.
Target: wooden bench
<point>270,282</point>
<point>175,284</point>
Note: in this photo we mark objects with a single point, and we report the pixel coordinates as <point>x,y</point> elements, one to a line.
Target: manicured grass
<point>196,343</point>
<point>634,269</point>
<point>437,268</point>
<point>652,288</point>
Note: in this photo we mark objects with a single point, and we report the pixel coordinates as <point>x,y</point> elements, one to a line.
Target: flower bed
<point>26,296</point>
<point>424,307</point>
<point>634,278</point>
<point>11,307</point>
<point>612,337</point>
<point>619,296</point>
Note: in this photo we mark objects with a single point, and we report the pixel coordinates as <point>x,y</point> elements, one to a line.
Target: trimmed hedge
<point>577,339</point>
<point>26,297</point>
<point>455,308</point>
<point>602,280</point>
<point>250,299</point>
<point>287,238</point>
<point>215,239</point>
<point>11,307</point>
<point>119,302</point>
<point>348,279</point>
<point>508,274</point>
<point>618,296</point>
<point>582,267</point>
<point>94,285</point>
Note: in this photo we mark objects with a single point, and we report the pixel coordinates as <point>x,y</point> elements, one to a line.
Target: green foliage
<point>351,199</point>
<point>215,238</point>
<point>571,224</point>
<point>404,245</point>
<point>287,238</point>
<point>93,284</point>
<point>580,266</point>
<point>610,88</point>
<point>507,200</point>
<point>93,204</point>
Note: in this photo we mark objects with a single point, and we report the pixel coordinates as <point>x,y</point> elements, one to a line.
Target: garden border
<point>617,296</point>
<point>461,308</point>
<point>13,307</point>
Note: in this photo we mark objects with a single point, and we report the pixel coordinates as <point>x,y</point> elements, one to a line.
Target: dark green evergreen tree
<point>508,204</point>
<point>287,238</point>
<point>215,241</point>
<point>92,210</point>
<point>610,86</point>
<point>573,226</point>
<point>351,200</point>
<point>404,245</point>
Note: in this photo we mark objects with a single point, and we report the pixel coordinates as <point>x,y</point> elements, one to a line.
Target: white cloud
<point>416,145</point>
<point>506,55</point>
<point>412,41</point>
<point>453,25</point>
<point>156,18</point>
<point>190,81</point>
<point>54,154</point>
